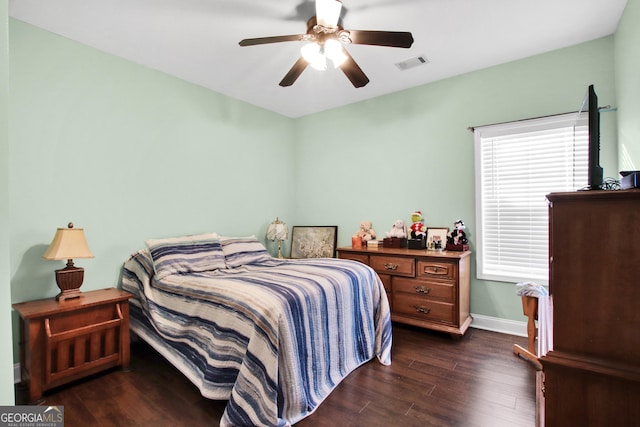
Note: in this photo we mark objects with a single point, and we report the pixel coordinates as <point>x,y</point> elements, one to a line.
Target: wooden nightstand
<point>62,341</point>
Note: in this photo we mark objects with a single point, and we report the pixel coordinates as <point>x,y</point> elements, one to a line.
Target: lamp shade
<point>313,53</point>
<point>328,12</point>
<point>333,50</point>
<point>277,230</point>
<point>68,243</point>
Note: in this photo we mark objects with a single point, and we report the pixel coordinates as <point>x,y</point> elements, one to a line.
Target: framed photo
<point>435,235</point>
<point>314,242</point>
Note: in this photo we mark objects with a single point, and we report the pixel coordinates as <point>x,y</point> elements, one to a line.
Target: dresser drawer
<point>397,266</point>
<point>423,308</point>
<point>443,291</point>
<point>355,257</point>
<point>437,269</point>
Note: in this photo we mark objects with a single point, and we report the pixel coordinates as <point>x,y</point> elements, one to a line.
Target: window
<point>517,165</point>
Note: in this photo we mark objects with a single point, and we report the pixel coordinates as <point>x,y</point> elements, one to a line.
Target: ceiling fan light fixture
<point>333,50</point>
<point>313,53</point>
<point>328,12</point>
<point>325,38</point>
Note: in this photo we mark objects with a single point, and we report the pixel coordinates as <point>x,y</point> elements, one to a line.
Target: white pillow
<point>239,251</point>
<point>186,254</point>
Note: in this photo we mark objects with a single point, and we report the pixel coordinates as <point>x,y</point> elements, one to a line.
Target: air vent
<point>412,63</point>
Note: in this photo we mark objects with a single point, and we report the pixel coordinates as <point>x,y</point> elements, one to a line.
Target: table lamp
<point>68,243</point>
<point>278,231</point>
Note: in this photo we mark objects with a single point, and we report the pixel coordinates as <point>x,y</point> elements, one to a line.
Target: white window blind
<point>517,165</point>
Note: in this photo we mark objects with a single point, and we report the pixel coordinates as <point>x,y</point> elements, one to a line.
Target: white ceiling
<point>197,40</point>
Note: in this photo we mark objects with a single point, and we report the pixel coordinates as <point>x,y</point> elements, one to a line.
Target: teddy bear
<point>418,230</point>
<point>366,231</point>
<point>457,235</point>
<point>398,229</point>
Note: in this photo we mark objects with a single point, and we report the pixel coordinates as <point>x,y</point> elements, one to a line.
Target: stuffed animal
<point>398,229</point>
<point>418,230</point>
<point>457,235</point>
<point>366,231</point>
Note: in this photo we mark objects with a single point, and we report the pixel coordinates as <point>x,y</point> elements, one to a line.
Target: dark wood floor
<point>433,380</point>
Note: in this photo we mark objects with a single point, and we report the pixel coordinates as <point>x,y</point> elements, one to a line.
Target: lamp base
<point>65,295</point>
<point>279,251</point>
<point>69,280</point>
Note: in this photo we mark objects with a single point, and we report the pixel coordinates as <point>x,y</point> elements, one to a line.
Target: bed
<point>272,337</point>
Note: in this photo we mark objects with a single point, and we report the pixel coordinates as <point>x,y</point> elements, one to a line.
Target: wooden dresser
<point>425,288</point>
<point>592,376</point>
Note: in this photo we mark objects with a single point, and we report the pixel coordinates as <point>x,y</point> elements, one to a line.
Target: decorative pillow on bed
<point>240,251</point>
<point>187,254</point>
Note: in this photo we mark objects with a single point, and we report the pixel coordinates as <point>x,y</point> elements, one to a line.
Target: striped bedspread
<point>274,339</point>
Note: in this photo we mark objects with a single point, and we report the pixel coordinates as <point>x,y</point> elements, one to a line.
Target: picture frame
<point>314,241</point>
<point>434,233</point>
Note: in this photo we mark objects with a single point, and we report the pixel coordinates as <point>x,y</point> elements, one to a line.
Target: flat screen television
<point>594,171</point>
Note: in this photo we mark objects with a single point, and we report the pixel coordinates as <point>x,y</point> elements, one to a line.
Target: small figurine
<point>457,235</point>
<point>398,229</point>
<point>366,231</point>
<point>418,230</point>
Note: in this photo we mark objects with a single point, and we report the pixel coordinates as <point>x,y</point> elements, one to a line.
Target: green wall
<point>627,70</point>
<point>383,158</point>
<point>128,154</point>
<point>6,358</point>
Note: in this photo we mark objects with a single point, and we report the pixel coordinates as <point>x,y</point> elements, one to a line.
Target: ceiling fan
<point>326,40</point>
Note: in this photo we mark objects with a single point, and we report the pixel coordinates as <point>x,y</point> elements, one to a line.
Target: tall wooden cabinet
<point>425,288</point>
<point>592,376</point>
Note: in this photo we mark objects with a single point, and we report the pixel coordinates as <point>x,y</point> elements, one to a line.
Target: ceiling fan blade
<point>381,38</point>
<point>294,72</point>
<point>273,39</point>
<point>353,71</point>
<point>328,12</point>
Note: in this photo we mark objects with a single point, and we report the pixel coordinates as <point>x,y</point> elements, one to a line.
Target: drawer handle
<point>422,290</point>
<point>390,266</point>
<point>437,270</point>
<point>422,309</point>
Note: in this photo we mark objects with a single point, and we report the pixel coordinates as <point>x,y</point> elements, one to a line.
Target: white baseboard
<point>496,324</point>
